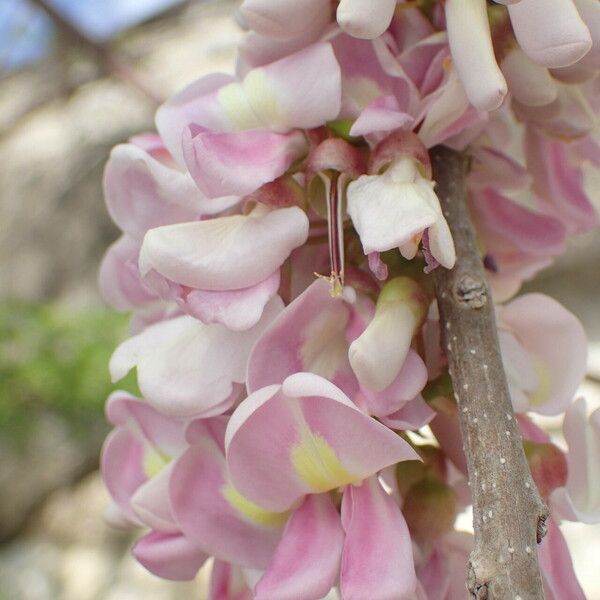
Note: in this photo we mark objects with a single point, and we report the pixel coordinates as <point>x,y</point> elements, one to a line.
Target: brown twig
<point>508,514</point>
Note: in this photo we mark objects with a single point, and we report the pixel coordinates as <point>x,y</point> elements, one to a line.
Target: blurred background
<point>76,78</point>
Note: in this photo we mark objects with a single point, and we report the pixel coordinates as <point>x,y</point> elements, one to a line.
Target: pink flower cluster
<point>281,426</point>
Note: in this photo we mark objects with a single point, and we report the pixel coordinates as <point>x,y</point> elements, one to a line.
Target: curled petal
<point>238,310</point>
<point>551,32</point>
<point>169,555</point>
<point>471,45</point>
<point>194,104</point>
<point>392,209</point>
<point>365,20</point>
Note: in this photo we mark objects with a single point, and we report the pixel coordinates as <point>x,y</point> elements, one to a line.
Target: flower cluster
<point>278,237</point>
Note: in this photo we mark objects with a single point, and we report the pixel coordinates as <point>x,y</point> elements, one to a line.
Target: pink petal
<point>151,504</point>
<point>506,221</point>
<point>120,282</point>
<point>170,556</point>
<point>307,560</point>
<point>149,426</point>
<point>383,114</point>
<point>238,163</point>
<point>238,310</point>
<point>228,253</point>
<point>142,193</point>
<point>556,341</point>
<point>186,368</point>
<point>304,437</point>
<point>286,18</point>
<point>528,82</point>
<point>556,566</point>
<point>194,104</point>
<point>408,383</point>
<point>413,415</point>
<point>551,32</point>
<point>309,335</point>
<point>227,583</point>
<point>494,168</point>
<point>580,500</point>
<point>205,506</point>
<point>377,561</point>
<point>122,466</point>
<point>300,91</point>
<point>558,183</point>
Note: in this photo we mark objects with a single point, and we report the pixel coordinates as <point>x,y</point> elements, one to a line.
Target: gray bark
<point>508,514</point>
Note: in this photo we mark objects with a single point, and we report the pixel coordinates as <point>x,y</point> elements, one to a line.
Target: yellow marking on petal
<point>232,97</point>
<point>251,511</point>
<point>261,96</point>
<point>316,462</point>
<point>544,379</point>
<point>361,90</point>
<point>154,462</point>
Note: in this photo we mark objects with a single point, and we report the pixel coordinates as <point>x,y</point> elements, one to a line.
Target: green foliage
<point>55,359</point>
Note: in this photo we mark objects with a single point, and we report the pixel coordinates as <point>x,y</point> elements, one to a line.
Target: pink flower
<point>544,351</point>
<point>579,500</point>
<point>136,466</point>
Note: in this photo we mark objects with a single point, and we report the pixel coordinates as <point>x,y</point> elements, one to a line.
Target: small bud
<point>429,509</point>
<point>548,466</point>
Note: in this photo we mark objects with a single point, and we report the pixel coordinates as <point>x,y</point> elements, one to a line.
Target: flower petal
<point>213,514</point>
<point>551,32</point>
<point>556,344</point>
<point>119,279</point>
<point>228,253</point>
<point>471,45</point>
<point>580,501</point>
<point>194,104</point>
<point>238,310</point>
<point>389,210</point>
<point>169,556</point>
<point>304,437</point>
<point>377,561</point>
<point>556,566</point>
<point>142,193</point>
<point>307,559</point>
<point>238,163</point>
<point>309,335</point>
<point>365,20</point>
<point>186,368</point>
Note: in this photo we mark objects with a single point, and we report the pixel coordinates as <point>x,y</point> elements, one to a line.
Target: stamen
<point>336,233</point>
